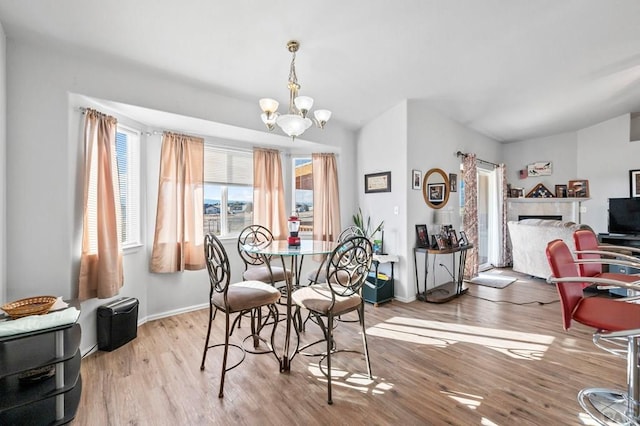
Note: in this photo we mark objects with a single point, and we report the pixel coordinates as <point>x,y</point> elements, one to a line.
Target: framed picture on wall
<point>634,183</point>
<point>377,182</point>
<point>453,182</point>
<point>416,179</point>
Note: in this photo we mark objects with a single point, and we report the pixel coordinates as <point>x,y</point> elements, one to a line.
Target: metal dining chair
<point>256,267</point>
<point>237,298</point>
<point>346,270</point>
<point>319,276</point>
<point>617,325</point>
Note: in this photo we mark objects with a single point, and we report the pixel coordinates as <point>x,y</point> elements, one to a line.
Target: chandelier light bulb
<point>268,105</point>
<point>322,116</point>
<point>293,125</point>
<point>304,104</point>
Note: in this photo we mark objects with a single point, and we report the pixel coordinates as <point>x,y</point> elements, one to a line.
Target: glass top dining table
<point>295,254</point>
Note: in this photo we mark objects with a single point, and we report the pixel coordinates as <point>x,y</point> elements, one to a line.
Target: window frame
<point>134,193</point>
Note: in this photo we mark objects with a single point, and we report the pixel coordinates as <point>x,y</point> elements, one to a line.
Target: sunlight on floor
<point>515,344</point>
<point>471,401</point>
<point>345,379</point>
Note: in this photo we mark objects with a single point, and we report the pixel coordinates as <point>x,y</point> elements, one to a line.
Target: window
<point>128,159</point>
<point>303,192</point>
<point>228,191</point>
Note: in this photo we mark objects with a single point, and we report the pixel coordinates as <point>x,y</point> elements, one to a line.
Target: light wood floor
<point>471,361</point>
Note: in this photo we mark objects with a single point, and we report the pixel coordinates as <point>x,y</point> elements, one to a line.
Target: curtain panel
<point>178,244</point>
<point>268,192</point>
<point>470,221</point>
<point>326,197</point>
<point>101,273</point>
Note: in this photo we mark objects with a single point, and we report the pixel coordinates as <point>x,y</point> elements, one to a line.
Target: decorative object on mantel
<point>540,191</point>
<point>516,192</point>
<point>634,183</point>
<point>578,188</point>
<point>539,169</point>
<point>296,121</point>
<point>561,191</point>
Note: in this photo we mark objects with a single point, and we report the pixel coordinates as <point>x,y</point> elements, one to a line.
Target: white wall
<point>3,166</point>
<point>382,147</point>
<point>43,152</point>
<point>433,141</point>
<point>559,149</point>
<point>605,155</point>
<point>406,137</point>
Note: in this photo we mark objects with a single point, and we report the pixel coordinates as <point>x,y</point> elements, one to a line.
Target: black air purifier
<point>117,323</point>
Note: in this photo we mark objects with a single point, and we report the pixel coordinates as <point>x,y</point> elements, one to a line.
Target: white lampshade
<point>303,103</point>
<point>269,121</point>
<point>269,105</point>
<point>322,116</point>
<point>443,217</point>
<point>292,124</point>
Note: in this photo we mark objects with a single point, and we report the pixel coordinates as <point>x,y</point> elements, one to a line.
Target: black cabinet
<point>50,397</point>
<point>632,241</point>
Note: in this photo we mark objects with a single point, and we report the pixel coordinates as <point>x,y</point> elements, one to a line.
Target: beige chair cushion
<point>261,273</point>
<point>246,295</point>
<point>317,298</point>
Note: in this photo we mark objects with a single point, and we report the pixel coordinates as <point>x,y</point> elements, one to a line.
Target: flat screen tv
<point>624,216</point>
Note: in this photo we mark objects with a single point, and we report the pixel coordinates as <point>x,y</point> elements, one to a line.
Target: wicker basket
<point>30,306</point>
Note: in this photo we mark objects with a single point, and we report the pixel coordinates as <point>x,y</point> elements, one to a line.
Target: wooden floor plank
<point>492,356</point>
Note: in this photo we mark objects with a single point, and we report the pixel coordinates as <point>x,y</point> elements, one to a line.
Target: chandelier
<point>296,121</point>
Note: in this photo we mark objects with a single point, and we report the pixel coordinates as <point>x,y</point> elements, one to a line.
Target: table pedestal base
<point>442,293</point>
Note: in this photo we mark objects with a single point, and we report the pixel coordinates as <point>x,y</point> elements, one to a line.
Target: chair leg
<point>212,315</point>
<point>224,358</point>
<point>364,338</point>
<point>329,334</point>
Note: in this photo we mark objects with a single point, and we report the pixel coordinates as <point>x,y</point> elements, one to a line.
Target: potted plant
<point>365,225</point>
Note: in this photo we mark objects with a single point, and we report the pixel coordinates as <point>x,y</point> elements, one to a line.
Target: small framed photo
<point>377,182</point>
<point>464,241</point>
<point>436,192</point>
<point>422,236</point>
<point>442,242</point>
<point>580,188</point>
<point>634,183</point>
<point>517,192</point>
<point>453,182</point>
<point>561,191</point>
<point>416,179</point>
<point>453,238</point>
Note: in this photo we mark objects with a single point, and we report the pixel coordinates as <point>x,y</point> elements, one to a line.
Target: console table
<point>449,290</point>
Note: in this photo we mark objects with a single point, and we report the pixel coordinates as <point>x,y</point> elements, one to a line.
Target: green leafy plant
<point>365,224</point>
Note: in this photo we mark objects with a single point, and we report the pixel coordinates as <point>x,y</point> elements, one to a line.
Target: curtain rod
<point>462,154</point>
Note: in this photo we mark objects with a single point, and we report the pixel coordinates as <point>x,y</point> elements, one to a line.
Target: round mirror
<point>435,188</point>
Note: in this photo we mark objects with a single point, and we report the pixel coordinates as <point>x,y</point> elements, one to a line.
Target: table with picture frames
<point>449,290</point>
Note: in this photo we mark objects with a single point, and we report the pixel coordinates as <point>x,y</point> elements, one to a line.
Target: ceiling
<point>510,69</point>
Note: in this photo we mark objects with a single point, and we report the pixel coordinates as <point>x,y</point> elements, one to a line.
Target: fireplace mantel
<point>568,208</point>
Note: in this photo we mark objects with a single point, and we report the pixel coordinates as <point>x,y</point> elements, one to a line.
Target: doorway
<point>489,239</point>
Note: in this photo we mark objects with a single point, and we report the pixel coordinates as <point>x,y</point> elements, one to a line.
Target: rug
<point>490,280</point>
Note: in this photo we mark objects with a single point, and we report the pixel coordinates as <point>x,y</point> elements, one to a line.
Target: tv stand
<point>627,240</point>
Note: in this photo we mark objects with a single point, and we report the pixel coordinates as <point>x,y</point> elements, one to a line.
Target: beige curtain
<point>470,220</point>
<point>101,259</point>
<point>326,199</point>
<point>268,192</point>
<point>178,244</point>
